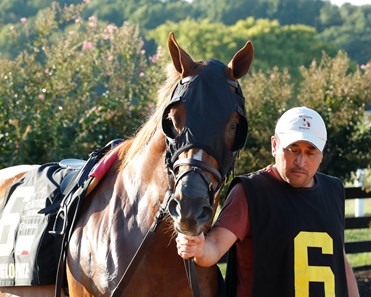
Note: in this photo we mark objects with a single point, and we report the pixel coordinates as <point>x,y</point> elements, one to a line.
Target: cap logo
<point>305,122</point>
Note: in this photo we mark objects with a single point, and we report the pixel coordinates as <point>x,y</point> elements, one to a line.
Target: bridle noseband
<point>198,166</point>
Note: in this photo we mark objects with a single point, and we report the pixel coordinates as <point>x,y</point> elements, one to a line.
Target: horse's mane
<point>147,130</point>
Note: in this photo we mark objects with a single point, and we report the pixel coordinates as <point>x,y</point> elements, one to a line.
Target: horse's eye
<point>233,128</point>
<point>173,124</point>
<point>169,128</point>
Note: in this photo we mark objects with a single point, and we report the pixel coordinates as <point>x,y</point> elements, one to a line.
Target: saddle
<point>37,217</point>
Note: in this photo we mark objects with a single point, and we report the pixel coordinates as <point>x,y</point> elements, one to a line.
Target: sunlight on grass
<point>361,259</point>
<point>223,268</point>
<point>350,207</point>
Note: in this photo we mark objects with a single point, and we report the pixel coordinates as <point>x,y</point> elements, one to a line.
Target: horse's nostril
<point>206,214</point>
<point>173,208</point>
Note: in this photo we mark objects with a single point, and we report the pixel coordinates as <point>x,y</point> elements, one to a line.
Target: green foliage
<point>269,38</point>
<point>329,87</point>
<point>199,38</point>
<point>350,31</point>
<point>147,14</point>
<point>288,46</point>
<point>72,90</point>
<point>341,97</point>
<point>267,96</point>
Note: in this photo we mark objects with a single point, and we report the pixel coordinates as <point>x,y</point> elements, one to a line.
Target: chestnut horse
<point>184,152</point>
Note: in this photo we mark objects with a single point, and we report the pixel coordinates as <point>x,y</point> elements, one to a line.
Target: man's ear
<point>274,145</point>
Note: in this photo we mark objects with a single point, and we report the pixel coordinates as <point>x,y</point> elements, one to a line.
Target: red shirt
<point>235,217</point>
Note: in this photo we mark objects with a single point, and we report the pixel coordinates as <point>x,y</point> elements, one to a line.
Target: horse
<point>178,161</point>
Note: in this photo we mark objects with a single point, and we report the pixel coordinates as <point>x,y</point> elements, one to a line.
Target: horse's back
<point>11,174</point>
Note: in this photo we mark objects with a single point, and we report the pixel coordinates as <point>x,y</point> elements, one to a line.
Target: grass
<point>361,259</point>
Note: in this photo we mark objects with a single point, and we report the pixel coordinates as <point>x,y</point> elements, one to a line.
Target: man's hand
<point>190,246</point>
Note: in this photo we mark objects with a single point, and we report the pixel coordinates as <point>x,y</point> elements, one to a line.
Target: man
<point>285,222</point>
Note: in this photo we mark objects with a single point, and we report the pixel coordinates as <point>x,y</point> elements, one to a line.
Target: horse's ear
<point>182,62</point>
<point>241,61</point>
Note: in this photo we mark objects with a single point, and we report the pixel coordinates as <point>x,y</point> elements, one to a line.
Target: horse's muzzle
<point>190,205</point>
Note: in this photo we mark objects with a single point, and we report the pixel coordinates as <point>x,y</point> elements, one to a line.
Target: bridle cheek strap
<point>197,164</point>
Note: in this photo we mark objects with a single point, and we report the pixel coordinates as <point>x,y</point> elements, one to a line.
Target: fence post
<point>359,203</point>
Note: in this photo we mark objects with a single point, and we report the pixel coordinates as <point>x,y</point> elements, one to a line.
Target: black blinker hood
<point>209,103</point>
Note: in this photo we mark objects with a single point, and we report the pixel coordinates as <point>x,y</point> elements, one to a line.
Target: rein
<point>161,213</point>
<point>146,242</point>
<point>195,166</point>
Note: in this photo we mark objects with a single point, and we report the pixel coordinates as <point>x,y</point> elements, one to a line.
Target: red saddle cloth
<point>104,165</point>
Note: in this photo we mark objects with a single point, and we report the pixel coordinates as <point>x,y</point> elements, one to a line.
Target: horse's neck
<point>144,181</point>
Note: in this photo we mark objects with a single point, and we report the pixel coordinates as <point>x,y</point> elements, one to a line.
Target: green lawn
<point>361,259</point>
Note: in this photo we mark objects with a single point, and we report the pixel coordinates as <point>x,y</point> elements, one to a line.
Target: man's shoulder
<point>329,180</point>
<point>253,175</point>
<point>253,178</point>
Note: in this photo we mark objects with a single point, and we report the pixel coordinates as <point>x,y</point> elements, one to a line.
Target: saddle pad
<point>24,231</point>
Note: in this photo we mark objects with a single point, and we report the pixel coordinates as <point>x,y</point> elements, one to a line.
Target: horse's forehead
<point>209,91</point>
<point>214,70</point>
<point>209,103</point>
<point>210,82</point>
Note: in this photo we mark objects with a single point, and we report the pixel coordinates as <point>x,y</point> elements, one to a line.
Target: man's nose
<point>300,159</point>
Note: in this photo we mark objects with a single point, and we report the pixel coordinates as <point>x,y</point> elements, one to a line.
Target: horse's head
<point>205,126</point>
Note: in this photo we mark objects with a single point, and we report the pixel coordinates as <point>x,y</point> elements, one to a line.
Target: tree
<point>275,45</point>
<point>72,90</point>
<point>341,97</point>
<point>199,38</point>
<point>353,35</point>
<point>329,17</point>
<point>267,95</point>
<point>284,46</point>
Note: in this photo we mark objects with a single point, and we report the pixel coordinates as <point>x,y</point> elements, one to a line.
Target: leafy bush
<point>341,97</point>
<point>330,87</point>
<point>76,85</point>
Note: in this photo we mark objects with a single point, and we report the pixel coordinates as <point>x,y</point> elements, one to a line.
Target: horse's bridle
<point>197,166</point>
<point>185,89</point>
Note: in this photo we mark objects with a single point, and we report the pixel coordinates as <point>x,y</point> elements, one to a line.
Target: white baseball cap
<point>301,124</point>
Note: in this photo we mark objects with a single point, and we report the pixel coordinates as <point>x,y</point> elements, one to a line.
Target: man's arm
<point>206,250</point>
<point>351,280</point>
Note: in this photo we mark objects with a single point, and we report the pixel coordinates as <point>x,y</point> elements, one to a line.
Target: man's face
<point>296,163</point>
